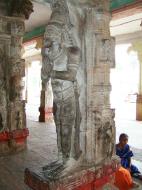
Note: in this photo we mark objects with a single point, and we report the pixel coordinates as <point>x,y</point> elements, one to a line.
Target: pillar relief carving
<point>12,69</point>
<point>77,59</point>
<point>78,53</point>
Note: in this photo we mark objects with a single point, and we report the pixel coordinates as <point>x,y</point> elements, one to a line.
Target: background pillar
<point>13,131</point>
<point>137,47</point>
<point>45,108</point>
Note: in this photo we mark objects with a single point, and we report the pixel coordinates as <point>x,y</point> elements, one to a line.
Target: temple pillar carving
<point>137,47</point>
<point>78,53</point>
<point>13,131</point>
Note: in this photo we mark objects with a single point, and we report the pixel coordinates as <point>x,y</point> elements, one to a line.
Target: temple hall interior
<point>29,136</point>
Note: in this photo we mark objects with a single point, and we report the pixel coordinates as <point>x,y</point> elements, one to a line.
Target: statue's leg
<point>77,151</point>
<point>53,170</point>
<point>56,112</point>
<point>67,127</point>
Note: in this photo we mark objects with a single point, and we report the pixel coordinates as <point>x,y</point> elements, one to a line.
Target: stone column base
<point>14,141</point>
<point>86,179</point>
<point>45,114</point>
<point>139,108</point>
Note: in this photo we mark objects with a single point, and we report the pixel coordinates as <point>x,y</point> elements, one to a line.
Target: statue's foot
<point>72,165</point>
<point>52,165</point>
<point>59,169</point>
<point>53,170</point>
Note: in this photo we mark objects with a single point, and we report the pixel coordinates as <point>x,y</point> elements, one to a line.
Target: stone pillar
<point>45,108</point>
<point>137,47</point>
<point>80,54</point>
<point>13,131</point>
<point>100,126</point>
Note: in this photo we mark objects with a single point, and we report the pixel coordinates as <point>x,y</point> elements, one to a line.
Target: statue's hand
<point>47,67</point>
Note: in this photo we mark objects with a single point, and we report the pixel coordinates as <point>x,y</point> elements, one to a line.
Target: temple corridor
<point>80,60</point>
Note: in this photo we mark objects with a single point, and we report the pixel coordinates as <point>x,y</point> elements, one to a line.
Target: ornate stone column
<point>99,56</point>
<point>13,131</point>
<point>137,47</point>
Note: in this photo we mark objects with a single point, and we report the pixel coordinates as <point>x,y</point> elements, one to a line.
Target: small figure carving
<point>107,51</point>
<point>108,139</point>
<point>105,131</point>
<point>109,133</point>
<point>18,120</point>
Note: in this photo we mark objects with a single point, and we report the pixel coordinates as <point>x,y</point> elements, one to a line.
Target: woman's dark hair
<point>123,135</point>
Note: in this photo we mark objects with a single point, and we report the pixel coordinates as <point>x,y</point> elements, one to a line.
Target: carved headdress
<point>60,13</point>
<point>60,27</point>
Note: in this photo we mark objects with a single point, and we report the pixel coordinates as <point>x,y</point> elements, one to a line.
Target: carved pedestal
<point>13,131</point>
<point>95,178</point>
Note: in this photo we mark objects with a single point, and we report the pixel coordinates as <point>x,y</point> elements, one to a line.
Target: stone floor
<point>42,150</point>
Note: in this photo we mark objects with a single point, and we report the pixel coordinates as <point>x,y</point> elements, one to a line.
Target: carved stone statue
<point>18,120</point>
<point>77,60</point>
<point>61,59</point>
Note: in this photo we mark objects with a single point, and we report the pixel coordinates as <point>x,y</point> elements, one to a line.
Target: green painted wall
<point>115,4</point>
<point>34,33</point>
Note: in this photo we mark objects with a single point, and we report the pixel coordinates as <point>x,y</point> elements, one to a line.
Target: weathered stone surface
<point>13,132</point>
<point>61,64</point>
<point>85,179</point>
<point>78,53</point>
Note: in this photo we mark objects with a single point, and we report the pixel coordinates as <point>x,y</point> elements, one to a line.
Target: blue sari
<point>125,155</point>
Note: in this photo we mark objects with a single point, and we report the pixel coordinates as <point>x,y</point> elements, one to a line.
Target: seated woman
<point>125,154</point>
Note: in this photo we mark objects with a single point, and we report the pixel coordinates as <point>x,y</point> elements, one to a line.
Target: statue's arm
<point>72,67</point>
<point>47,67</point>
